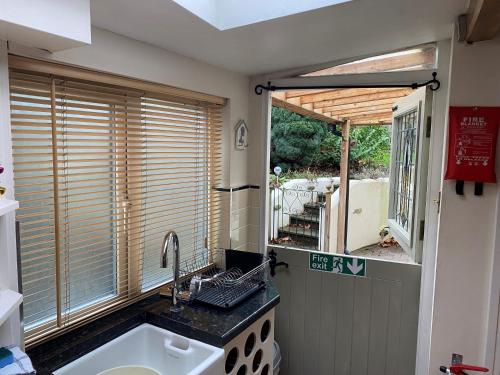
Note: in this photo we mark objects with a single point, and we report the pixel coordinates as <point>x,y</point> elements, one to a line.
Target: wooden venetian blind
<point>101,173</point>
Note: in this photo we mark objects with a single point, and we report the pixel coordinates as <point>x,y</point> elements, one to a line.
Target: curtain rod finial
<point>259,89</point>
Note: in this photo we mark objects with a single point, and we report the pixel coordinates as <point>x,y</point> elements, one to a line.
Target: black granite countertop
<point>214,327</point>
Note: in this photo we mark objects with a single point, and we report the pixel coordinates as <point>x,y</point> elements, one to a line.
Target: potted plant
<point>311,180</point>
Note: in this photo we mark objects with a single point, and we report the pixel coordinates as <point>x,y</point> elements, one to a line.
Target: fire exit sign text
<point>337,264</point>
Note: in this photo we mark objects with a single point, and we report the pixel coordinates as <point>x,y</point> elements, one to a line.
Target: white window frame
<point>411,240</point>
<point>403,236</point>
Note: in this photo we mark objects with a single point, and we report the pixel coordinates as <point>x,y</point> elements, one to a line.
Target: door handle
<point>460,368</point>
<point>273,263</point>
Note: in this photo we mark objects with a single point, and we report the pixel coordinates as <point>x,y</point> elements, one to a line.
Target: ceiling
<point>355,28</point>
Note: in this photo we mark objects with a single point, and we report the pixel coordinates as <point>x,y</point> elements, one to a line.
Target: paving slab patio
<point>394,253</point>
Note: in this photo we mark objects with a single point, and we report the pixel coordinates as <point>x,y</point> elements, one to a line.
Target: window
<point>227,14</point>
<point>101,173</point>
<point>405,157</point>
<point>408,171</point>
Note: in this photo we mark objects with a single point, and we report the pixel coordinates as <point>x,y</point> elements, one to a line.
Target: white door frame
<point>440,103</point>
<point>436,154</point>
<point>492,351</point>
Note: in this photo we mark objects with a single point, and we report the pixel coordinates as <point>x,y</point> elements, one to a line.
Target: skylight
<point>229,14</point>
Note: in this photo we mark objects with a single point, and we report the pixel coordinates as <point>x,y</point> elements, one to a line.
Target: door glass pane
<point>404,172</point>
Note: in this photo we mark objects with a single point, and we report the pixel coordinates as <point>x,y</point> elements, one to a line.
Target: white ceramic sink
<point>148,349</point>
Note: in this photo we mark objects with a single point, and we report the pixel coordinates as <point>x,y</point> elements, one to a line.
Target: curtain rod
<point>433,83</point>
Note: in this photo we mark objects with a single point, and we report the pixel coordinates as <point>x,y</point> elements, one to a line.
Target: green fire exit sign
<point>337,264</point>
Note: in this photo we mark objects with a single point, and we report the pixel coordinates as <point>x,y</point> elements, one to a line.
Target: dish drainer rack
<point>208,280</point>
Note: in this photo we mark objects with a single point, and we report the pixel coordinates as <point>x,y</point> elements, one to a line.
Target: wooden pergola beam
<point>360,112</point>
<point>368,116</point>
<point>336,94</point>
<point>362,115</point>
<point>294,93</point>
<point>362,106</point>
<point>371,117</point>
<point>483,20</point>
<point>388,102</point>
<point>370,96</point>
<point>419,58</point>
<point>352,95</point>
<point>372,122</point>
<point>303,111</point>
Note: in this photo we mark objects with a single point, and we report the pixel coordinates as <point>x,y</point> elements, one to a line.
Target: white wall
<point>368,209</point>
<point>467,226</point>
<point>48,24</point>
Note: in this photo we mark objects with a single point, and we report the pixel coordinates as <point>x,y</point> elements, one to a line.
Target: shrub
<point>328,155</point>
<point>299,143</point>
<point>294,140</point>
<point>371,145</point>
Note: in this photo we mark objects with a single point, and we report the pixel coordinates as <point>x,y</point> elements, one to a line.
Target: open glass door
<point>408,171</point>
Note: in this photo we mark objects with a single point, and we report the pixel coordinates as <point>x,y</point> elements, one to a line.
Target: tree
<point>279,115</point>
<point>295,140</point>
<point>371,144</point>
<point>298,142</point>
<point>328,155</point>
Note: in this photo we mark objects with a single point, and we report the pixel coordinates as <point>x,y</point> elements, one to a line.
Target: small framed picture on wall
<point>241,135</point>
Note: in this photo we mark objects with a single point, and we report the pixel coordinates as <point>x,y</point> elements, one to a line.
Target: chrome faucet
<point>171,236</point>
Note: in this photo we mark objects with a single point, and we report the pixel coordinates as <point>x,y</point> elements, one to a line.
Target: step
<point>298,231</point>
<point>298,239</point>
<point>305,219</point>
<point>312,208</point>
<point>306,245</point>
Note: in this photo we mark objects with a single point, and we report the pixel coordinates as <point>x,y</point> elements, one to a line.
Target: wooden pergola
<point>360,106</point>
